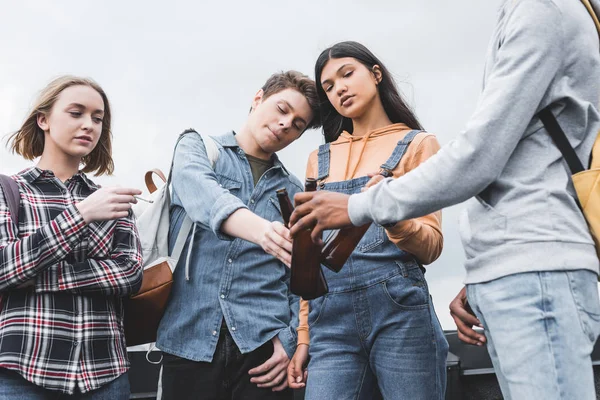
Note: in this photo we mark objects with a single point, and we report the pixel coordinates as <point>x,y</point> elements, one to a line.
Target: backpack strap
<point>593,13</point>
<point>188,225</point>
<point>11,193</point>
<point>560,140</point>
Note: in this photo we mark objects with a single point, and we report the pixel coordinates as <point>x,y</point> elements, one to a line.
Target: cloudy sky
<point>167,66</point>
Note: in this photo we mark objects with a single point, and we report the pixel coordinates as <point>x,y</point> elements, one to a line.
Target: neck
<point>374,118</point>
<point>62,165</point>
<point>247,143</point>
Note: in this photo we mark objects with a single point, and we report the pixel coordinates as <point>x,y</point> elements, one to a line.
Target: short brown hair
<point>29,140</point>
<point>298,81</point>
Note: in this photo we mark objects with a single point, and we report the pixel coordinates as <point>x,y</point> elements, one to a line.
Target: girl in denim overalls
<point>376,329</point>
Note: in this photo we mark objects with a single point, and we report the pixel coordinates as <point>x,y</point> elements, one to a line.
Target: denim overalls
<point>377,325</point>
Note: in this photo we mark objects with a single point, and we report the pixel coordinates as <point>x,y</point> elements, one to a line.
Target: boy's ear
<point>42,121</point>
<point>258,97</point>
<point>377,73</point>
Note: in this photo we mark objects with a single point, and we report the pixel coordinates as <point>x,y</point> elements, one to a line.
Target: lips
<point>345,98</point>
<point>274,134</point>
<point>85,138</point>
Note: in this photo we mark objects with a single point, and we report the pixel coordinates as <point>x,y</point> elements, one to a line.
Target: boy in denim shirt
<point>229,329</point>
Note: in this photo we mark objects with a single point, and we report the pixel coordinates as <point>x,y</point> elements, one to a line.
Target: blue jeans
<point>384,337</point>
<point>14,387</point>
<point>541,328</point>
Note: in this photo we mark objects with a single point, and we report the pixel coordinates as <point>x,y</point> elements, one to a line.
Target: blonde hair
<point>28,141</point>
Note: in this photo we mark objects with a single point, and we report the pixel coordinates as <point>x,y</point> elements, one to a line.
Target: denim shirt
<point>229,278</point>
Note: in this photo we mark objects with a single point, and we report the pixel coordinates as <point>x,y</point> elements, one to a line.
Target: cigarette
<point>142,199</point>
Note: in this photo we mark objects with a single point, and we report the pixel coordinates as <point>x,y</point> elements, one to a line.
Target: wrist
<point>81,207</point>
<point>259,234</point>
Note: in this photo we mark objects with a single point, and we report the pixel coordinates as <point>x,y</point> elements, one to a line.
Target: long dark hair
<point>394,105</point>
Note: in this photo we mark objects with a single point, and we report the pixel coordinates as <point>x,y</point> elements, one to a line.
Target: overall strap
<point>399,151</point>
<point>323,161</point>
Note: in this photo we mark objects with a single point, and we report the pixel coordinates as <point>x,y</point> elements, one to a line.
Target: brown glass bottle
<point>341,242</point>
<point>307,278</point>
<point>285,204</point>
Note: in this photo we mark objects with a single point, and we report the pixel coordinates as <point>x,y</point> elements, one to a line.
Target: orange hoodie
<point>352,157</point>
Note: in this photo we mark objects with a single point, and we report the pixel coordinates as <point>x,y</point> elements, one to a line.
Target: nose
<point>286,121</point>
<point>87,123</point>
<point>341,89</point>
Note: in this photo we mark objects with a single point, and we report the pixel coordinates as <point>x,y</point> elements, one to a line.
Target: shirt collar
<point>228,140</point>
<point>34,173</point>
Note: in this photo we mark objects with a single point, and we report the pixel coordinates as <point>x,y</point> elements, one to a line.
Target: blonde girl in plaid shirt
<point>74,254</point>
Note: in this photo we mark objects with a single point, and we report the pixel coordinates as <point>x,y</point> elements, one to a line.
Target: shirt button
<point>76,343</point>
<point>230,261</point>
<point>252,201</point>
<point>214,333</point>
<point>222,296</point>
<point>233,328</point>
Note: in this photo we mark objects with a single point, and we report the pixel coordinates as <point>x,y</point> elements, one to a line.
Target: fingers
<point>307,222</point>
<point>124,199</point>
<point>126,191</point>
<point>264,367</point>
<point>281,236</point>
<point>464,325</point>
<point>278,380</point>
<point>277,252</point>
<point>282,386</point>
<point>461,313</point>
<point>317,234</point>
<point>268,377</point>
<point>303,197</point>
<point>296,374</point>
<point>372,182</point>
<point>299,211</point>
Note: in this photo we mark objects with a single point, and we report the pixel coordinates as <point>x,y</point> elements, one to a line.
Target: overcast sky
<point>167,66</point>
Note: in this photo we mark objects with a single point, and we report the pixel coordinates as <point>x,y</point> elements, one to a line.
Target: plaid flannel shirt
<point>61,317</point>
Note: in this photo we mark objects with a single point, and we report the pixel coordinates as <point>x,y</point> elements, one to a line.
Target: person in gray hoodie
<point>531,262</point>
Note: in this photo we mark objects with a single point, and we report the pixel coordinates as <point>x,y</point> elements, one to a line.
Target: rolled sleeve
<point>288,339</point>
<point>225,205</point>
<point>195,184</point>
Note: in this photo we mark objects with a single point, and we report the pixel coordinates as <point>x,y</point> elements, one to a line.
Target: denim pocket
<point>407,291</point>
<point>273,212</point>
<point>374,237</point>
<point>316,309</point>
<point>228,183</point>
<point>584,288</point>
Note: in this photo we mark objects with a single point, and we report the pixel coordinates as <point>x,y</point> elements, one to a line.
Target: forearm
<point>303,332</point>
<point>23,259</point>
<point>525,65</point>
<point>106,277</point>
<point>246,225</point>
<point>120,274</point>
<point>194,181</point>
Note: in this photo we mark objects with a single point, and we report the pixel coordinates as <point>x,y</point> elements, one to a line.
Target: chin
<point>79,153</point>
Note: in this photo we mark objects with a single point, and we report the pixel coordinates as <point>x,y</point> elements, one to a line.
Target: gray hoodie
<point>524,216</point>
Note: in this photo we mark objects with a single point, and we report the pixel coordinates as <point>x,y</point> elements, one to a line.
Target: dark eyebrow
<point>339,69</point>
<point>292,108</point>
<point>99,111</point>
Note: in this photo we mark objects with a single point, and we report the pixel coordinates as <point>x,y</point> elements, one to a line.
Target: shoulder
<point>425,139</point>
